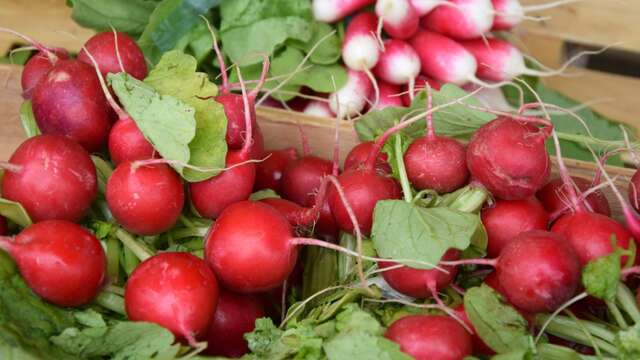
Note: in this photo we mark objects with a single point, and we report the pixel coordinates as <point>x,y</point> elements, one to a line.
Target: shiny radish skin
<point>269,172</point>
<point>399,64</point>
<point>554,194</point>
<point>103,48</point>
<point>509,158</point>
<point>239,251</point>
<point>634,191</point>
<point>62,262</point>
<point>419,85</point>
<point>360,48</point>
<point>287,208</point>
<point>297,216</point>
<point>508,14</point>
<point>127,143</point>
<point>538,271</point>
<point>415,282</point>
<point>389,96</point>
<point>423,7</point>
<point>57,179</point>
<point>497,59</point>
<point>590,235</point>
<point>400,20</point>
<point>492,281</point>
<point>69,101</point>
<point>437,163</point>
<point>236,129</point>
<point>468,19</point>
<point>333,10</point>
<point>444,59</point>
<point>210,197</point>
<point>363,189</point>
<point>507,219</point>
<point>36,68</point>
<point>145,199</point>
<point>479,346</point>
<point>430,337</point>
<point>357,157</point>
<point>302,178</point>
<point>175,290</point>
<point>351,99</point>
<point>236,315</point>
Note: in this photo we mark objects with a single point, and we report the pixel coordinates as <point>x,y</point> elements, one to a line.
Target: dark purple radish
<point>509,158</point>
<point>175,290</point>
<point>431,337</point>
<point>52,177</point>
<point>37,67</point>
<point>357,157</point>
<point>115,52</point>
<point>68,101</point>
<point>145,199</point>
<point>61,262</point>
<point>269,172</point>
<point>554,197</point>
<point>507,219</point>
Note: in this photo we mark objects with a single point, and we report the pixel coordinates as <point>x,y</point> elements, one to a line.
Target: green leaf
<point>264,194</point>
<point>600,277</point>
<point>326,53</point>
<point>176,76</point>
<point>238,13</point>
<point>268,342</point>
<point>103,171</point>
<point>169,23</point>
<point>130,16</point>
<point>15,212</point>
<point>168,123</point>
<point>28,120</point>
<point>406,231</point>
<point>468,199</point>
<point>499,325</point>
<point>557,352</point>
<point>628,343</point>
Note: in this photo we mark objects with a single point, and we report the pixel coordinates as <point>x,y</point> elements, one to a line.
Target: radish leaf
<point>28,119</point>
<point>15,212</point>
<point>601,276</point>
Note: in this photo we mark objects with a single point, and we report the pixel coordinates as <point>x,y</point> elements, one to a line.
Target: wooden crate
<point>595,23</point>
<point>279,127</point>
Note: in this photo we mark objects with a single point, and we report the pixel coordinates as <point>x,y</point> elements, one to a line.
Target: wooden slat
<point>48,21</point>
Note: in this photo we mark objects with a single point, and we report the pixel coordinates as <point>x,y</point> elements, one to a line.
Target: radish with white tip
<point>334,10</point>
<point>423,7</point>
<point>318,108</point>
<point>509,13</point>
<point>389,96</point>
<point>399,18</point>
<point>350,100</point>
<point>399,64</point>
<point>461,19</point>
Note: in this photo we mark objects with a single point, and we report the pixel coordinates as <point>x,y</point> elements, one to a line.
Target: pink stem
<point>309,215</point>
<point>114,105</point>
<point>10,167</point>
<point>488,262</point>
<point>248,140</point>
<point>431,132</point>
<point>43,49</point>
<point>306,149</point>
<point>263,77</point>
<point>223,67</point>
<point>566,178</point>
<point>336,149</point>
<point>431,284</point>
<point>115,41</point>
<point>597,178</point>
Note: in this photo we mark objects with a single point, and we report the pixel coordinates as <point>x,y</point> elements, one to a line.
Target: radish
<point>211,196</point>
<point>479,347</point>
<point>37,67</point>
<point>554,197</point>
<point>68,101</point>
<point>269,172</point>
<point>3,226</point>
<point>301,179</point>
<point>360,49</point>
<point>145,199</point>
<point>388,97</point>
<point>52,177</point>
<point>509,157</point>
<point>175,290</point>
<point>127,143</point>
<point>423,7</point>
<point>357,157</point>
<point>436,162</point>
<point>492,281</point>
<point>509,218</point>
<point>420,84</point>
<point>461,19</point>
<point>634,191</point>
<point>235,316</point>
<point>420,283</point>
<point>334,10</point>
<point>319,109</point>
<point>351,99</point>
<point>60,261</point>
<point>509,13</point>
<point>399,18</point>
<point>115,52</point>
<point>399,64</point>
<point>430,337</point>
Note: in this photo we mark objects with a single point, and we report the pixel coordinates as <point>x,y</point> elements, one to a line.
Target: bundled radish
<point>555,197</point>
<point>334,10</point>
<point>318,108</point>
<point>399,18</point>
<point>509,13</point>
<point>461,19</point>
<point>357,157</point>
<point>269,172</point>
<point>350,100</point>
<point>360,49</point>
<point>115,52</point>
<point>423,7</point>
<point>399,64</point>
<point>389,96</point>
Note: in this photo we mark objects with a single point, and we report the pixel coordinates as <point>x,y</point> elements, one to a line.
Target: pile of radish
<point>488,230</point>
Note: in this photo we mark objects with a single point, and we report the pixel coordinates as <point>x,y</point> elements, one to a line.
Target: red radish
<point>634,191</point>
<point>175,290</point>
<point>145,199</point>
<point>235,316</point>
<point>554,197</point>
<point>318,108</point>
<point>350,100</point>
<point>290,210</point>
<point>509,13</point>
<point>126,143</point>
<point>60,261</point>
<point>115,52</point>
<point>509,157</point>
<point>421,80</point>
<point>430,337</point>
<point>302,178</point>
<point>509,218</point>
<point>68,101</point>
<point>444,59</point>
<point>436,162</point>
<point>419,283</point>
<point>3,226</point>
<point>357,157</point>
<point>360,48</point>
<point>479,347</point>
<point>492,281</point>
<point>37,67</point>
<point>399,63</point>
<point>461,19</point>
<point>389,96</point>
<point>334,10</point>
<point>269,172</point>
<point>399,18</point>
<point>539,271</point>
<point>211,196</point>
<point>52,177</point>
<point>423,7</point>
